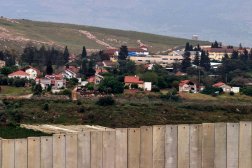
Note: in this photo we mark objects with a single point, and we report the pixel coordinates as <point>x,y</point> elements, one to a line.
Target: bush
<point>81,109</point>
<point>46,107</point>
<point>66,92</point>
<point>247,91</point>
<point>155,89</point>
<point>212,91</point>
<point>106,101</point>
<point>231,93</point>
<point>79,103</point>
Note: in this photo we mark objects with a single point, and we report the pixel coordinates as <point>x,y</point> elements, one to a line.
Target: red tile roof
<point>98,71</point>
<point>91,79</point>
<point>183,82</point>
<point>19,73</point>
<point>73,69</point>
<point>219,84</point>
<point>133,79</point>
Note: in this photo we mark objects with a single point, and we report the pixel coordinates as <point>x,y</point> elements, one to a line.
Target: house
<point>19,74</point>
<point>2,63</point>
<point>55,81</point>
<point>71,72</point>
<point>226,88</point>
<point>137,52</point>
<point>135,80</point>
<point>33,72</point>
<point>131,80</point>
<point>187,86</point>
<point>218,53</point>
<point>109,64</point>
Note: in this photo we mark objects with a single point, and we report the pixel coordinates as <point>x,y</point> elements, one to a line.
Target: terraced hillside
<point>15,34</point>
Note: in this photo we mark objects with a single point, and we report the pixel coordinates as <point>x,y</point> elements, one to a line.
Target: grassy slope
<point>133,111</point>
<point>14,91</point>
<point>67,34</point>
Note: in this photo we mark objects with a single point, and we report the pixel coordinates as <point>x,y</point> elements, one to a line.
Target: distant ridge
<point>15,34</point>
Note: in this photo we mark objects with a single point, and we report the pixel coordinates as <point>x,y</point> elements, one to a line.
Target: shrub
<point>79,103</point>
<point>231,93</point>
<point>212,91</point>
<point>67,92</point>
<point>106,101</point>
<point>247,91</point>
<point>37,90</point>
<point>46,107</point>
<point>81,109</point>
<point>155,89</point>
<point>134,86</point>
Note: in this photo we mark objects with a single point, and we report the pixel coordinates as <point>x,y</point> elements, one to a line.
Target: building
<point>226,88</point>
<point>19,74</point>
<point>218,53</point>
<point>33,72</point>
<point>2,63</point>
<point>137,52</point>
<point>55,81</point>
<point>133,80</point>
<point>187,86</point>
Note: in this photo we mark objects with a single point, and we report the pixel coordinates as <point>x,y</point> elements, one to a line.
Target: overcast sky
<point>229,21</point>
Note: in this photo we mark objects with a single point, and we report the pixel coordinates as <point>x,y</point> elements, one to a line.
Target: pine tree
<point>84,53</point>
<point>245,55</point>
<point>123,54</point>
<point>186,63</point>
<point>91,70</point>
<point>66,55</point>
<point>49,68</point>
<point>196,60</point>
<point>187,47</point>
<point>84,68</point>
<point>235,55</point>
<point>205,61</point>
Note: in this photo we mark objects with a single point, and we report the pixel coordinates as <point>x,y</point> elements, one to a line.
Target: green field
<point>14,91</point>
<point>60,34</point>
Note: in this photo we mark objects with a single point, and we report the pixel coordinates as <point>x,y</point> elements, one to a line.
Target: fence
<point>220,145</point>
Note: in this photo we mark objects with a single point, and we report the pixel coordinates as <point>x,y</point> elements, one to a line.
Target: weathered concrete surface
<point>245,147</point>
<point>195,146</point>
<point>96,149</point>
<point>59,152</point>
<point>46,152</point>
<point>84,152</point>
<point>146,139</point>
<point>159,146</point>
<point>220,160</point>
<point>0,153</point>
<point>232,145</point>
<point>171,146</point>
<point>21,153</point>
<point>133,148</point>
<point>33,152</point>
<point>108,150</point>
<point>71,151</point>
<point>8,153</point>
<point>121,153</point>
<point>208,146</point>
<point>183,146</point>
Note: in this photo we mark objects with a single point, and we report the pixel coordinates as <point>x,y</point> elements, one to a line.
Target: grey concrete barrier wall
<point>210,145</point>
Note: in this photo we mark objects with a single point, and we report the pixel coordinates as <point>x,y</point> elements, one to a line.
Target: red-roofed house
<point>226,88</point>
<point>56,81</point>
<point>130,80</point>
<point>187,86</point>
<point>19,74</point>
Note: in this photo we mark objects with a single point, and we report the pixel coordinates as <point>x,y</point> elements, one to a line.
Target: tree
<point>205,61</point>
<point>66,55</point>
<point>49,68</point>
<point>111,85</point>
<point>91,70</point>
<point>37,90</point>
<point>196,60</point>
<point>215,45</point>
<point>84,53</point>
<point>235,55</point>
<point>245,55</point>
<point>186,63</point>
<point>123,54</point>
<point>187,47</point>
<point>84,68</point>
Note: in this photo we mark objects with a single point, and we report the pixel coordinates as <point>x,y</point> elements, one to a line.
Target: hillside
<point>15,34</point>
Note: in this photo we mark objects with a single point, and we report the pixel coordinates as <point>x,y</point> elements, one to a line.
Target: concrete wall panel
<point>220,160</point>
<point>46,152</point>
<point>183,146</point>
<point>8,153</point>
<point>232,145</point>
<point>208,145</point>
<point>171,146</point>
<point>21,153</point>
<point>121,153</point>
<point>195,146</point>
<point>59,150</point>
<point>33,152</point>
<point>84,150</point>
<point>96,149</point>
<point>159,146</point>
<point>245,147</point>
<point>108,150</point>
<point>133,148</point>
<point>71,151</point>
<point>146,142</point>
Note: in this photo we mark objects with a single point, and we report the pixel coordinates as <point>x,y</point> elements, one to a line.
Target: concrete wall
<point>219,145</point>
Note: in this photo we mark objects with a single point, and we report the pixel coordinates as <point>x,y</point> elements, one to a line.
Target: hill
<point>15,34</point>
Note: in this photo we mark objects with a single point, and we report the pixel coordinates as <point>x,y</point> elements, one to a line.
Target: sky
<point>229,21</point>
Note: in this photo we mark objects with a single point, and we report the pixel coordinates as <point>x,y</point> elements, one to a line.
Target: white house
<point>147,86</point>
<point>19,74</point>
<point>69,74</point>
<point>33,72</point>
